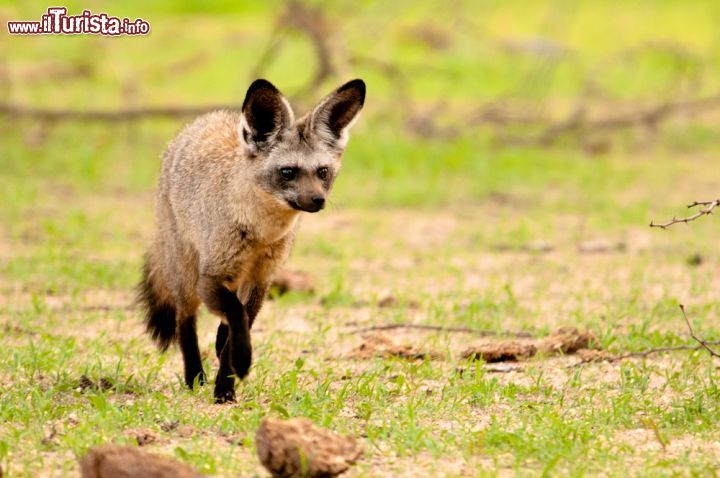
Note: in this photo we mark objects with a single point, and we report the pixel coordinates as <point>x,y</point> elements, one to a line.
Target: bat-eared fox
<point>231,189</point>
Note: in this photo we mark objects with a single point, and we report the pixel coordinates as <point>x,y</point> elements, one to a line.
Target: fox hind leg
<point>188,340</point>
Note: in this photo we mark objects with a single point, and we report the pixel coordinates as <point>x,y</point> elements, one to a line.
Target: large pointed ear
<point>266,115</point>
<point>333,116</point>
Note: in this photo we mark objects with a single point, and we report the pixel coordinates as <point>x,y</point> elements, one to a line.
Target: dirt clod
<point>185,431</point>
<point>296,447</point>
<point>500,351</point>
<point>387,301</point>
<point>590,355</point>
<point>235,439</point>
<point>116,461</point>
<point>567,340</point>
<point>378,345</point>
<point>292,281</point>
<point>143,436</point>
<point>86,383</point>
<point>169,426</point>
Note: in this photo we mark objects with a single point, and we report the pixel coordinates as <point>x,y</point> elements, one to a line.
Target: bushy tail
<point>160,314</point>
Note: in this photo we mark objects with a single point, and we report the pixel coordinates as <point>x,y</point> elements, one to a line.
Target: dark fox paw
<point>241,361</point>
<point>224,390</point>
<point>227,396</point>
<point>190,379</point>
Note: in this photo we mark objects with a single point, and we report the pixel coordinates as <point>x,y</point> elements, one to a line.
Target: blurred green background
<point>512,106</point>
<point>508,160</point>
<point>541,113</point>
<point>459,91</point>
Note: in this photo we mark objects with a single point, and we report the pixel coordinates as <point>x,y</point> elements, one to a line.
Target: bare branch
<point>313,22</point>
<point>644,353</point>
<point>706,210</point>
<point>656,350</point>
<point>438,328</point>
<point>650,117</point>
<point>702,342</point>
<point>131,114</point>
<point>704,345</point>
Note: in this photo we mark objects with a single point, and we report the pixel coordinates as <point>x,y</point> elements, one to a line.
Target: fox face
<point>295,162</point>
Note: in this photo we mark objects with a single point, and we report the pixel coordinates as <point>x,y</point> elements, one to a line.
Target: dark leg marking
<point>187,335</point>
<point>222,335</point>
<point>225,380</point>
<point>236,353</point>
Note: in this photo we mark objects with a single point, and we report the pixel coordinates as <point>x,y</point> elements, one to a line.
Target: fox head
<point>294,161</point>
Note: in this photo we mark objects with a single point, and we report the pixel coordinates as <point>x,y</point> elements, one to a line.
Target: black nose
<point>319,202</point>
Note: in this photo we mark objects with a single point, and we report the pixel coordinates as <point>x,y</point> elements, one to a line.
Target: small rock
<point>72,419</point>
<point>115,461</point>
<point>695,260</point>
<point>143,436</point>
<point>503,368</point>
<point>296,447</point>
<point>292,281</point>
<point>500,351</point>
<point>235,439</point>
<point>169,426</point>
<point>84,383</point>
<point>387,301</point>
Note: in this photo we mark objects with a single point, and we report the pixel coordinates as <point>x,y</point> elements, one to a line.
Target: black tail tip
<point>160,317</point>
<point>160,324</point>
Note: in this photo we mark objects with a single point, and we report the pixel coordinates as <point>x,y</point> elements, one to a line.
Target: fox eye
<point>288,173</point>
<point>322,173</point>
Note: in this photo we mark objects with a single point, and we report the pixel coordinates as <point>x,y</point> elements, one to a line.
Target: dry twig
<point>644,353</point>
<point>438,328</point>
<point>312,21</point>
<point>703,343</point>
<point>131,114</point>
<point>703,211</point>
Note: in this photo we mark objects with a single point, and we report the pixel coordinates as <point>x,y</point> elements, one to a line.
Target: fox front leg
<point>236,353</point>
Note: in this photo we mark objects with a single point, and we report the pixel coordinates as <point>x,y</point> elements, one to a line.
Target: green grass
<point>450,227</point>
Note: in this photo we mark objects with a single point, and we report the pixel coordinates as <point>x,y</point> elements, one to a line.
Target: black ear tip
<point>256,86</point>
<point>261,83</point>
<point>356,84</point>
